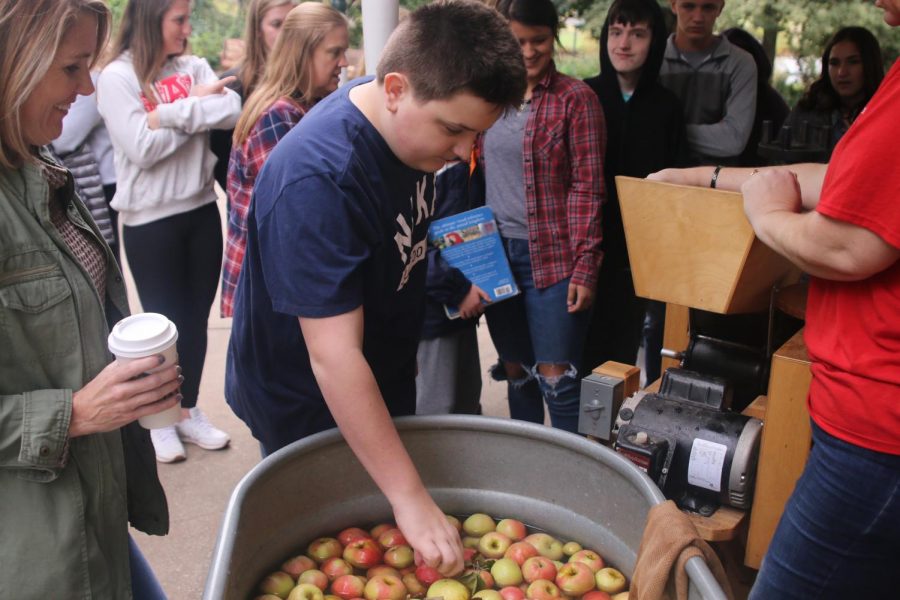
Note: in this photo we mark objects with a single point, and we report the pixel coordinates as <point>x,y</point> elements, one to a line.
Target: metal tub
<point>556,481</point>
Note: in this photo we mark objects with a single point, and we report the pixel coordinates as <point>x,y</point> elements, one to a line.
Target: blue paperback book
<point>470,242</point>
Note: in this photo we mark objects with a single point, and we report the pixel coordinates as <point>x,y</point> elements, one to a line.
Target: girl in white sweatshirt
<point>159,107</point>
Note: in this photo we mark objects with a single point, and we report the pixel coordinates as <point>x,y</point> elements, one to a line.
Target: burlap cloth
<point>670,540</point>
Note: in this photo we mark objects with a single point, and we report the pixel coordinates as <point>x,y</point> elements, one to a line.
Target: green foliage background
<point>802,28</point>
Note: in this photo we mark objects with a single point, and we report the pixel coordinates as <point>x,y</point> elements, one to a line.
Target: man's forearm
<point>353,397</point>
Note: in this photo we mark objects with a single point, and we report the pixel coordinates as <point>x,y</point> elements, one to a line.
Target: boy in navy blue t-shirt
<point>336,240</point>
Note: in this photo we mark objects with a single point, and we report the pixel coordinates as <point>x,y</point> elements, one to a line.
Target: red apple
<point>542,589</point>
<point>506,572</point>
<point>399,557</point>
<point>315,577</point>
<point>469,554</point>
<point>448,589</point>
<point>352,533</point>
<point>538,567</point>
<point>512,592</point>
<point>306,591</point>
<point>363,553</point>
<point>385,587</point>
<point>513,529</point>
<point>335,567</point>
<point>479,524</point>
<point>486,578</point>
<point>428,575</point>
<point>380,528</point>
<point>493,544</point>
<point>413,586</point>
<point>278,584</point>
<point>382,570</point>
<point>520,552</point>
<point>575,579</point>
<point>596,595</point>
<point>297,564</point>
<point>391,538</point>
<point>610,580</point>
<point>348,587</point>
<point>546,545</point>
<point>590,558</point>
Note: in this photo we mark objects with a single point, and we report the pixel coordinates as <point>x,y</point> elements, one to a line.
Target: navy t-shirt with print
<point>336,222</point>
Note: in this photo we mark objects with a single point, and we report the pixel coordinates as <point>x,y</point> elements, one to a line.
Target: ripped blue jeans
<point>535,328</point>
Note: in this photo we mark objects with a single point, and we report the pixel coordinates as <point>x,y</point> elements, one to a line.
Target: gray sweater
<point>718,96</point>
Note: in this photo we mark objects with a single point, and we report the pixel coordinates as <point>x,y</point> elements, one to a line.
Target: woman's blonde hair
<point>30,34</point>
<point>255,52</point>
<point>141,32</point>
<point>288,72</point>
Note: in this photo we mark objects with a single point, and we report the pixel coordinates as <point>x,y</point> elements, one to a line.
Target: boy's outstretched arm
<point>353,397</point>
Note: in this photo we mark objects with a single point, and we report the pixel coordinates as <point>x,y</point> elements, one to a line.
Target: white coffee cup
<point>142,335</point>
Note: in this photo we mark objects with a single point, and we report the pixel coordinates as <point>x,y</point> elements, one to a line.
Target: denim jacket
<point>64,503</point>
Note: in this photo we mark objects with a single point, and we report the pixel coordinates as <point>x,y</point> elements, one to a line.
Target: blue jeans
<point>839,536</point>
<point>535,328</point>
<point>144,585</point>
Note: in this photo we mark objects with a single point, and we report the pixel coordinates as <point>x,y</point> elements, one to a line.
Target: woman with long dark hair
<point>852,69</point>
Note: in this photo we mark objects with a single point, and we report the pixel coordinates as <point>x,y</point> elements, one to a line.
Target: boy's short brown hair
<point>451,46</point>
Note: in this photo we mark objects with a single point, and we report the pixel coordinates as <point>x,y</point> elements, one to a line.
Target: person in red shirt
<point>839,535</point>
<point>543,167</point>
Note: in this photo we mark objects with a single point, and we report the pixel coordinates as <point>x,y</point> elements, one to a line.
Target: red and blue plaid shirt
<point>565,141</point>
<point>244,165</point>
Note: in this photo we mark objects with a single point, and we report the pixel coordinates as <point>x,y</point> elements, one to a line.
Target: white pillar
<point>379,19</point>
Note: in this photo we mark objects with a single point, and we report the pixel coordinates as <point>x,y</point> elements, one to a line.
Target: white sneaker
<point>198,430</point>
<point>167,445</point>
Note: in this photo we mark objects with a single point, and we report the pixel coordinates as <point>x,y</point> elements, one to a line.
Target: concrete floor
<point>198,489</point>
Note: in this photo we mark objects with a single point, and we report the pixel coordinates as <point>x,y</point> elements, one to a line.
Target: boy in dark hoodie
<point>645,133</point>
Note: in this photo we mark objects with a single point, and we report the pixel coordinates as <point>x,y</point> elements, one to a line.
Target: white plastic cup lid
<point>142,335</point>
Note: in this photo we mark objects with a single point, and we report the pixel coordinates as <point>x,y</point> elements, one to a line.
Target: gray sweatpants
<point>449,379</point>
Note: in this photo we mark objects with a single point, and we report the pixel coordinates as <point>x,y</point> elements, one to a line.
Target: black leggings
<point>176,263</point>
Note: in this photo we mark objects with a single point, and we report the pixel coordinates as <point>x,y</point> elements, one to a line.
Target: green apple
<point>610,580</point>
<point>306,591</point>
<point>448,589</point>
<point>506,572</point>
<point>479,524</point>
<point>493,544</point>
<point>488,595</point>
<point>470,541</point>
<point>278,584</point>
<point>570,548</point>
<point>546,545</point>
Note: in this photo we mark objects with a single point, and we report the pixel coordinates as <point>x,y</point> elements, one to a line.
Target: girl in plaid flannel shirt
<point>305,65</point>
<point>544,174</point>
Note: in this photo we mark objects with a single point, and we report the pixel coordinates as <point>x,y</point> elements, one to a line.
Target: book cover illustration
<point>470,242</point>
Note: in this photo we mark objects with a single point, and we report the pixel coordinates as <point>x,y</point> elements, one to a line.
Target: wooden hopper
<point>694,247</point>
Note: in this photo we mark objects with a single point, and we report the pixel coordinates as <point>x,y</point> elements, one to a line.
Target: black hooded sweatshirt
<point>644,135</point>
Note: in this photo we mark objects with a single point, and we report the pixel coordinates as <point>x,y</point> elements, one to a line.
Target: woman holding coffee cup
<point>74,466</point>
<point>159,105</point>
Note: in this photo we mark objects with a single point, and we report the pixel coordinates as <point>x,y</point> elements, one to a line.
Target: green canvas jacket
<point>64,503</point>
